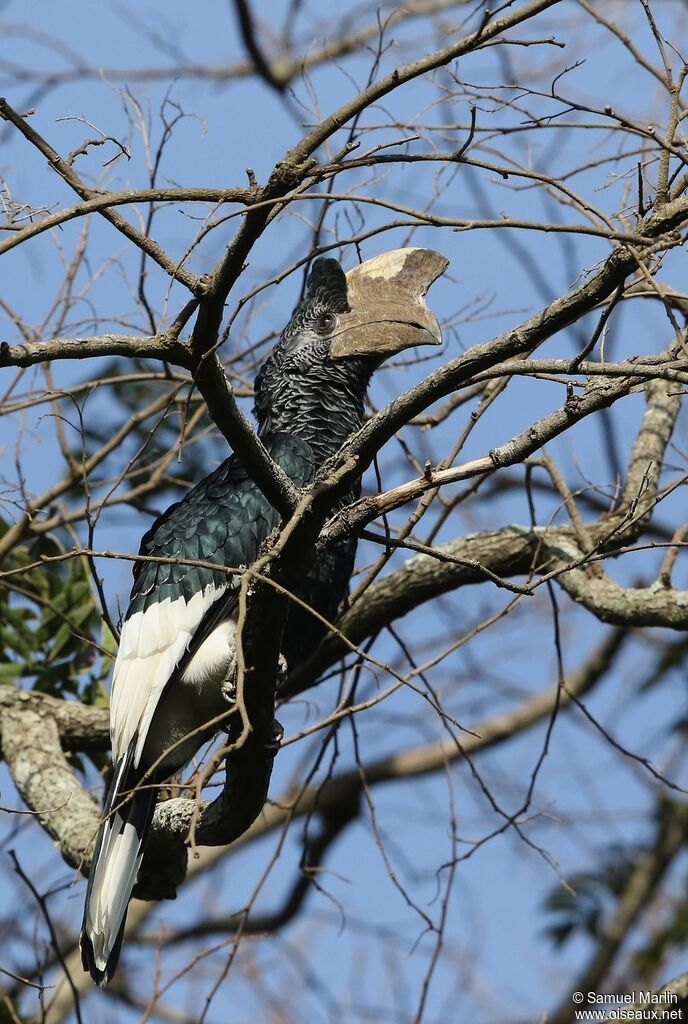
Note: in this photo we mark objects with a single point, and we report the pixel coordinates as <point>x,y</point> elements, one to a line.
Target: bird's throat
<point>323,406</point>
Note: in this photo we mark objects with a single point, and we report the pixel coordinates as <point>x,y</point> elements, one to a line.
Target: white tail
<point>116,861</point>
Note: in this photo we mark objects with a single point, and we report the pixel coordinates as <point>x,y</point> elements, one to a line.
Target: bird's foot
<point>229,689</point>
<point>275,741</point>
<point>282,673</point>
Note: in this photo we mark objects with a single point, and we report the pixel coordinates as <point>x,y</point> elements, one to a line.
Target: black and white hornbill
<point>176,653</point>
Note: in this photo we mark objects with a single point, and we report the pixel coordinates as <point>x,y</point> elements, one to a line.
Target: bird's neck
<point>321,402</point>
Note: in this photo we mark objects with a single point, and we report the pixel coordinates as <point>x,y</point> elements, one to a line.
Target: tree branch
<point>359,451</point>
<point>69,175</point>
<point>126,197</point>
<point>46,782</point>
<point>80,727</point>
<point>650,868</point>
<point>133,346</point>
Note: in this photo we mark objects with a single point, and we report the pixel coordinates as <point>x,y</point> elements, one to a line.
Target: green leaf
<point>68,633</point>
<point>10,672</point>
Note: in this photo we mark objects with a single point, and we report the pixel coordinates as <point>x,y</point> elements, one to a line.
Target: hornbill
<point>176,659</point>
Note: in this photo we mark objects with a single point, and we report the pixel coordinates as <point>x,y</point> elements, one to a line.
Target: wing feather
<point>175,608</point>
<point>152,644</point>
<point>223,520</point>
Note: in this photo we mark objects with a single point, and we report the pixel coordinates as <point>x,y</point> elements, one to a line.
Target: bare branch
<point>147,245</point>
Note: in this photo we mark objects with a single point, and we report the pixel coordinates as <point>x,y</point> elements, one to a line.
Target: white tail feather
<point>113,880</point>
<point>116,861</point>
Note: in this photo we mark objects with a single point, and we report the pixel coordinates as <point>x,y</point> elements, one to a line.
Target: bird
<point>176,659</point>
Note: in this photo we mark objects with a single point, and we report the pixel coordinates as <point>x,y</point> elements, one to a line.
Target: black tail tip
<point>88,960</point>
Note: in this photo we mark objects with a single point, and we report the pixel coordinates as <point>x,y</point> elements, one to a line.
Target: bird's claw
<point>274,743</point>
<point>229,690</point>
<point>282,673</point>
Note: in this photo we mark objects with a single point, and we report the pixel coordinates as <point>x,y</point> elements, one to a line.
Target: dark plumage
<point>176,648</point>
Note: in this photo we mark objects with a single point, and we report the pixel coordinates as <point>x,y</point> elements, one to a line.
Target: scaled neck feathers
<point>302,391</point>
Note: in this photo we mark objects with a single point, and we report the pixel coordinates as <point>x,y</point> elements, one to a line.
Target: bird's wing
<point>174,605</point>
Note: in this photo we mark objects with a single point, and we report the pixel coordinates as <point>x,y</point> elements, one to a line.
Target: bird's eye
<point>325,323</point>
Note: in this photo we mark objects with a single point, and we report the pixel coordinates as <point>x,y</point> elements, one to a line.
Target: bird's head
<point>375,310</point>
<point>353,320</point>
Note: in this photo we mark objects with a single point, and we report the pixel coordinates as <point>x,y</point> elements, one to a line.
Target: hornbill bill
<point>176,659</point>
